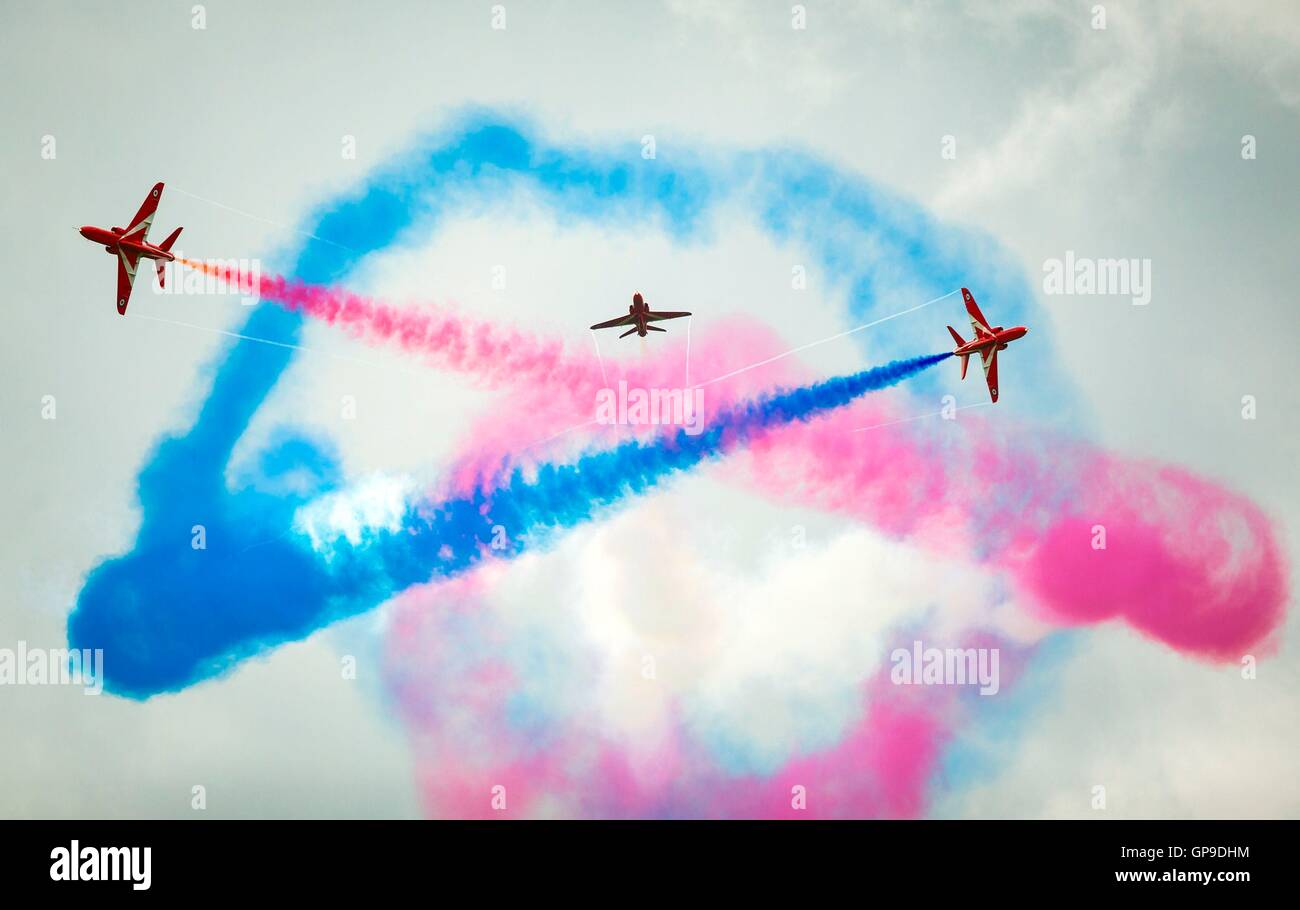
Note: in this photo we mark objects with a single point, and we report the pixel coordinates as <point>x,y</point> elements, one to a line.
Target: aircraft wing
<point>990,357</point>
<point>139,228</point>
<point>654,316</point>
<point>126,265</point>
<point>629,319</point>
<point>979,325</point>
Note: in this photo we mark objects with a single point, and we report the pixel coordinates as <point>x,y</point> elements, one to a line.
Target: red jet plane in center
<point>131,244</point>
<point>639,316</point>
<point>987,342</point>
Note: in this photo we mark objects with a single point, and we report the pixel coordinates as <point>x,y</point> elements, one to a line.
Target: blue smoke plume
<point>434,541</point>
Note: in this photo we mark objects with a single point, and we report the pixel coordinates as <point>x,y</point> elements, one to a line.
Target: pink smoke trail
<point>443,337</point>
<point>495,356</point>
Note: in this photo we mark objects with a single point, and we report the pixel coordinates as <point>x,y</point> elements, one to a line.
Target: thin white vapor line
<point>689,320</point>
<point>278,224</point>
<point>282,344</point>
<point>813,344</point>
<point>216,331</point>
<point>601,360</point>
<point>894,423</point>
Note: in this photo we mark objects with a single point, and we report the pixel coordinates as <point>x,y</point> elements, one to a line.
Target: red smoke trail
<point>446,338</point>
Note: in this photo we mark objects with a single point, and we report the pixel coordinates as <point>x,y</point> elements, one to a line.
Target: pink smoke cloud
<point>1185,561</point>
<point>456,693</point>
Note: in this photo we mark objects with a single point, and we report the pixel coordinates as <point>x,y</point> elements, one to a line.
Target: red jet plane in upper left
<point>131,244</point>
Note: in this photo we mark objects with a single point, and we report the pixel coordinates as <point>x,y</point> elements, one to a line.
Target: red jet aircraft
<point>639,316</point>
<point>130,245</point>
<point>987,342</point>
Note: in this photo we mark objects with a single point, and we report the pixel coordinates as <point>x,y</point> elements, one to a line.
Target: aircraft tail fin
<point>166,245</point>
<point>655,328</point>
<point>162,280</point>
<point>965,358</point>
<point>628,332</point>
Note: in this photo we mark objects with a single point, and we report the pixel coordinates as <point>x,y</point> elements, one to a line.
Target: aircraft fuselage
<point>639,311</point>
<point>112,241</point>
<point>639,316</point>
<point>1000,339</point>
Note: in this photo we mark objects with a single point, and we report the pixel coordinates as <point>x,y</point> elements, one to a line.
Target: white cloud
<point>1165,736</point>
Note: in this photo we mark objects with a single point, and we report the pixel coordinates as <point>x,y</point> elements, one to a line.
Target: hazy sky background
<point>1119,142</point>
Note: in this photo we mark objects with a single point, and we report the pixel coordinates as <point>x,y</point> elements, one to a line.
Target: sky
<point>766,587</point>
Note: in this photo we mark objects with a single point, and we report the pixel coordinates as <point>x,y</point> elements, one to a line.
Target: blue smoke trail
<point>452,536</point>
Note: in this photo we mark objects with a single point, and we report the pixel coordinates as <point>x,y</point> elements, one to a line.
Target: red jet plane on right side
<point>987,342</point>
